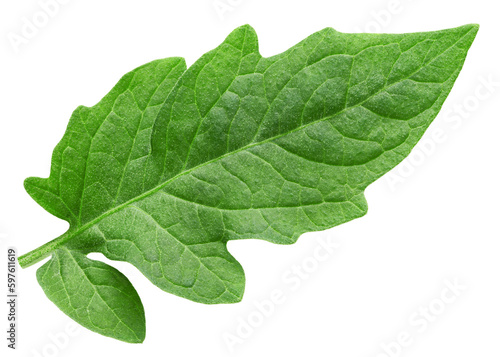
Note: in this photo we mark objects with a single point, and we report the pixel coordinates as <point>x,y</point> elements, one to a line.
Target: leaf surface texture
<point>174,162</point>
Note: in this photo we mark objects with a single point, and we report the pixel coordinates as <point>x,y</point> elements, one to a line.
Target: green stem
<point>41,252</point>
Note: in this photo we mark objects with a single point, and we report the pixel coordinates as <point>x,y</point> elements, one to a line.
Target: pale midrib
<point>47,248</point>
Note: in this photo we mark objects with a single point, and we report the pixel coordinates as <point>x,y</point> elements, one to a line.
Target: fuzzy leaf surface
<point>175,162</point>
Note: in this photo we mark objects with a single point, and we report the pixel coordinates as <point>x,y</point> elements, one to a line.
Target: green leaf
<point>94,294</point>
<point>174,163</point>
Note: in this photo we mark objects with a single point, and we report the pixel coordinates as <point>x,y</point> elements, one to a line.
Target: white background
<point>432,219</point>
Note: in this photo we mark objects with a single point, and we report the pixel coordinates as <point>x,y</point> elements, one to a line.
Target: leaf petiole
<point>41,252</point>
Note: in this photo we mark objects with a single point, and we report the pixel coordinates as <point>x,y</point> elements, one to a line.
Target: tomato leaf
<point>174,162</point>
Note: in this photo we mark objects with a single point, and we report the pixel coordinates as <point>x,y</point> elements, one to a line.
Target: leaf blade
<point>250,147</point>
